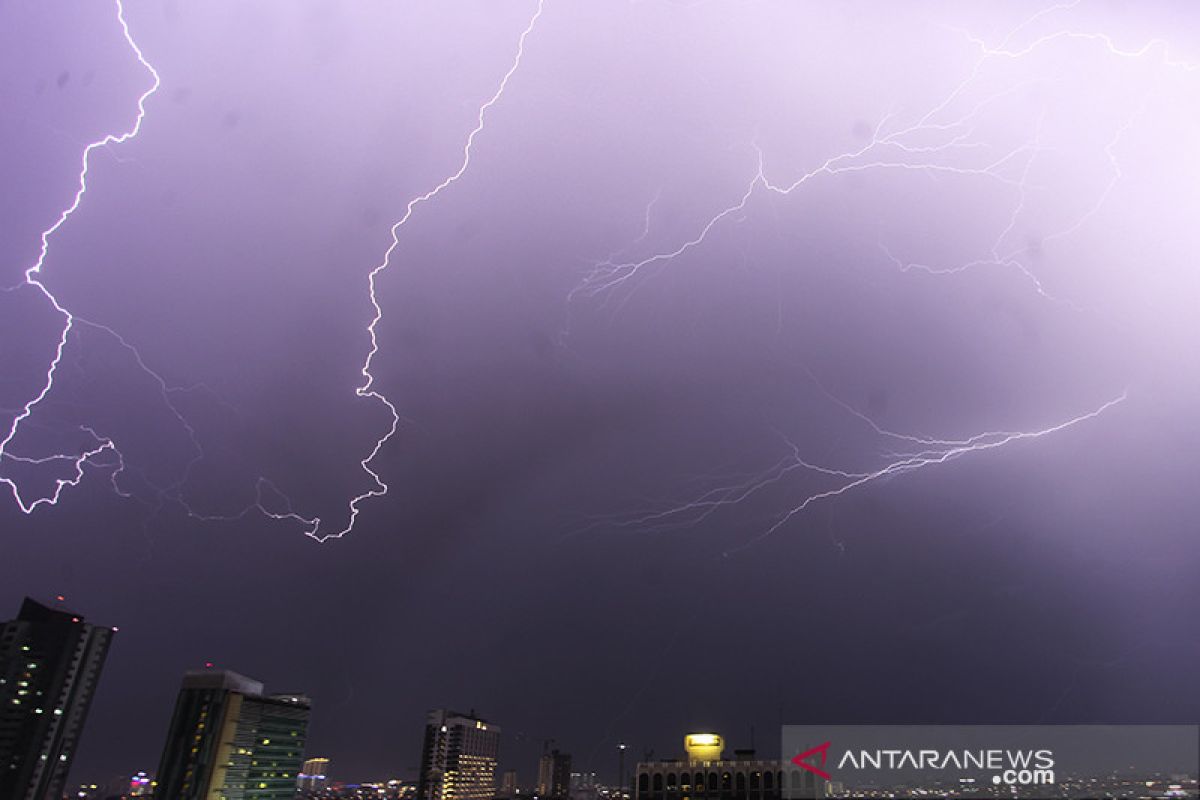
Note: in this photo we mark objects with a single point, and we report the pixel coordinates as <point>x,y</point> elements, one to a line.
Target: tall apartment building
<point>228,740</point>
<point>458,760</point>
<point>554,775</point>
<point>50,662</point>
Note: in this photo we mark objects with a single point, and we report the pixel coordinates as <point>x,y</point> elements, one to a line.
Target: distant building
<point>584,786</point>
<point>508,784</point>
<point>116,788</point>
<point>50,662</point>
<point>458,760</point>
<point>141,785</point>
<point>314,775</point>
<point>554,775</point>
<point>228,740</point>
<point>377,790</point>
<point>707,775</point>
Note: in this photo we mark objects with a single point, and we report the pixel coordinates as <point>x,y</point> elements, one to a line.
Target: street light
<point>621,770</point>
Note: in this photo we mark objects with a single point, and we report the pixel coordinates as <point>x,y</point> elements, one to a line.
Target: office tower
<point>313,775</point>
<point>228,740</point>
<point>554,775</point>
<point>458,760</point>
<point>50,662</point>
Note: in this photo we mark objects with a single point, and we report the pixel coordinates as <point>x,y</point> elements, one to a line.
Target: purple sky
<point>695,242</point>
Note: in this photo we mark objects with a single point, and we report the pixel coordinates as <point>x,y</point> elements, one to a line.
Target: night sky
<point>707,261</point>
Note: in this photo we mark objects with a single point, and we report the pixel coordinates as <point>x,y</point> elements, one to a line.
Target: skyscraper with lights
<point>458,760</point>
<point>50,662</point>
<point>228,740</point>
<point>554,775</point>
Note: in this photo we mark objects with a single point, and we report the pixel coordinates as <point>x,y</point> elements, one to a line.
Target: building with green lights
<point>229,741</point>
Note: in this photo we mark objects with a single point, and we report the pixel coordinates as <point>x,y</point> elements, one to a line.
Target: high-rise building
<point>314,775</point>
<point>50,662</point>
<point>458,760</point>
<point>228,740</point>
<point>554,775</point>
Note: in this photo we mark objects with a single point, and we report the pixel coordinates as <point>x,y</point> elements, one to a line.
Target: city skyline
<point>220,707</point>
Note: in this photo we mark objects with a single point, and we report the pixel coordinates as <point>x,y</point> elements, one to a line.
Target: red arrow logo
<point>823,749</point>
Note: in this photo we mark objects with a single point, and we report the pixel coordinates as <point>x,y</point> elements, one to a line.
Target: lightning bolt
<point>102,445</point>
<point>269,501</point>
<point>893,154</point>
<point>895,150</point>
<point>366,389</point>
<point>914,461</point>
<point>954,152</point>
<point>32,278</point>
<point>937,451</point>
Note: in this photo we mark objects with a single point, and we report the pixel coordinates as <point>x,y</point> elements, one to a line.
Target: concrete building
<point>228,740</point>
<point>458,759</point>
<point>705,774</point>
<point>314,775</point>
<point>554,775</point>
<point>50,663</point>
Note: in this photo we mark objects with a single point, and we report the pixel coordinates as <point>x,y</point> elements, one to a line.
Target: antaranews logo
<point>978,761</point>
<point>801,760</point>
<point>1008,767</point>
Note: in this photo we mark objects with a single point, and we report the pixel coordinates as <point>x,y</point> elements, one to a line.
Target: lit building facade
<point>50,663</point>
<point>554,775</point>
<point>702,777</point>
<point>314,775</point>
<point>703,746</point>
<point>229,741</point>
<point>458,759</point>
